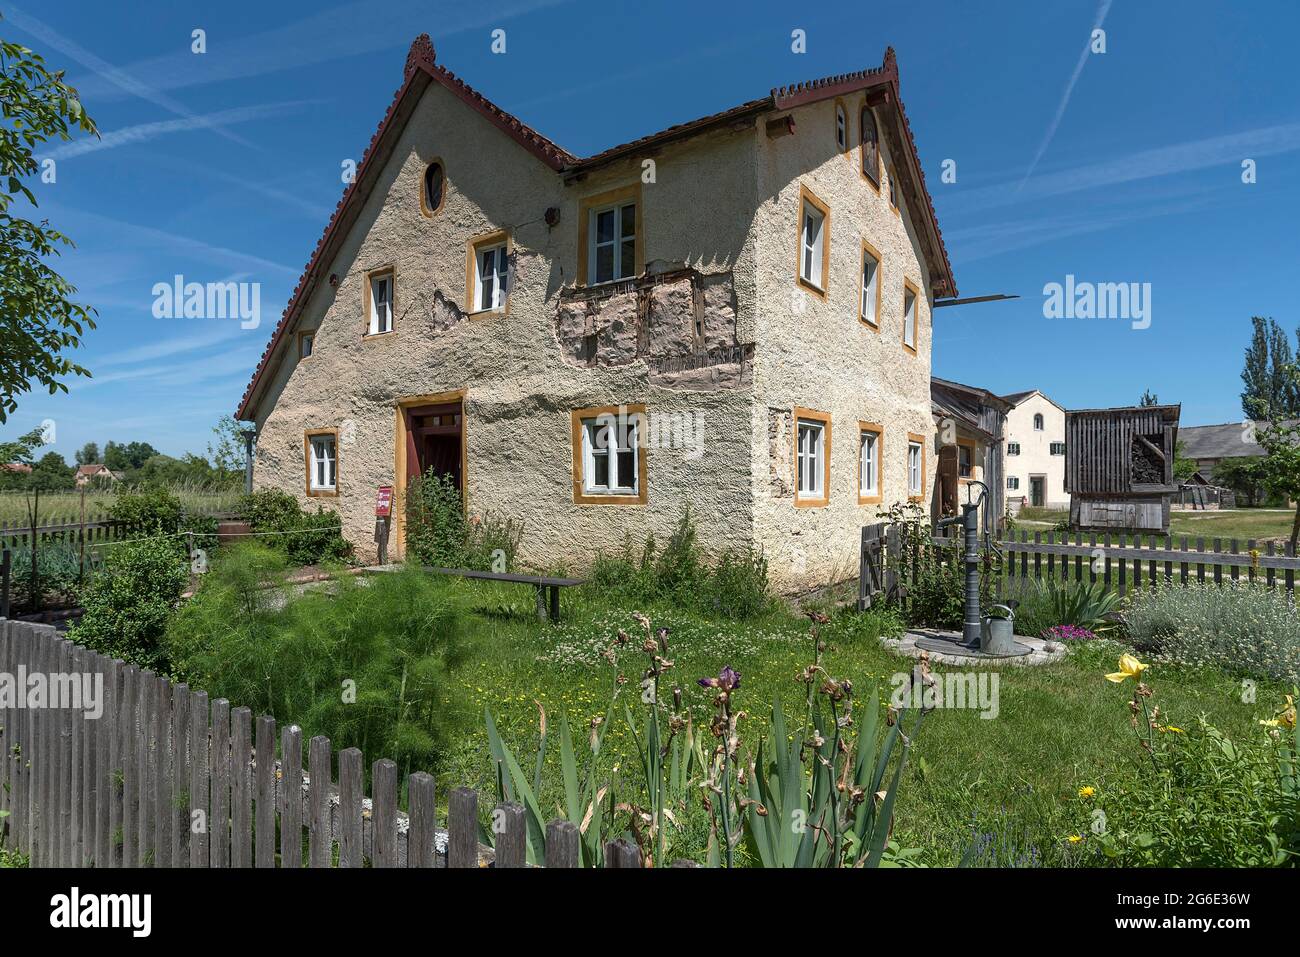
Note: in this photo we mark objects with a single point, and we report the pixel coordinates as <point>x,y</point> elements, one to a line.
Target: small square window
<point>1013,482</point>
<point>1058,448</point>
<point>1013,448</point>
<point>609,460</point>
<point>965,462</point>
<point>306,340</point>
<point>322,463</point>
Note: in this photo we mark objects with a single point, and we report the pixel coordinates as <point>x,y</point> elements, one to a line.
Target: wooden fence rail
<point>1121,562</point>
<point>163,777</point>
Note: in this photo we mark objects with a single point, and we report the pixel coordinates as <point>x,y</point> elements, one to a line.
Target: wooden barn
<point>1119,467</point>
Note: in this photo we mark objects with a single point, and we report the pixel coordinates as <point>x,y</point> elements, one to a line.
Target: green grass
<point>1016,777</point>
<point>66,506</point>
<point>1239,523</point>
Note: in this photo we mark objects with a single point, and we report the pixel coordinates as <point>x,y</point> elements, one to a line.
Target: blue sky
<point>1123,166</point>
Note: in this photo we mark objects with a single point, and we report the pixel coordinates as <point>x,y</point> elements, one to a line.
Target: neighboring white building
<point>1035,452</point>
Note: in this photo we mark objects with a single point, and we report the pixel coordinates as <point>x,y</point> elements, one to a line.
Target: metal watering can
<point>997,632</point>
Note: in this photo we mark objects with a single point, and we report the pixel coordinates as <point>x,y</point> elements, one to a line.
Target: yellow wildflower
<point>1129,667</point>
<point>1076,839</point>
<point>1087,792</point>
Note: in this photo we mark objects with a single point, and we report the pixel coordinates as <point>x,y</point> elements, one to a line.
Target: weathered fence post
<point>462,828</point>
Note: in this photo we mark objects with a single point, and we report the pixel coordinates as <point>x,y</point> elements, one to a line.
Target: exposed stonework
<point>682,323</point>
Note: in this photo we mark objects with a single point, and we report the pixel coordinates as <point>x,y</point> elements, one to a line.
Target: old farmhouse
<point>732,314</point>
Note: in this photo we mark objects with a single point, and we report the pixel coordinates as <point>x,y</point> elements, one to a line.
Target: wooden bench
<point>540,582</point>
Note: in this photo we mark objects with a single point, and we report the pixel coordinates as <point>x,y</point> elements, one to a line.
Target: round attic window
<point>434,187</point>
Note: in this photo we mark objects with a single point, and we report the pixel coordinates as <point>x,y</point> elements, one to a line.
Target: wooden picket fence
<point>1122,562</point>
<point>166,778</point>
<point>96,530</point>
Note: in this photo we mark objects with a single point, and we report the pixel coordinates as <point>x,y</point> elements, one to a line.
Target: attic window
<point>870,147</point>
<point>841,128</point>
<point>434,189</point>
<point>610,231</point>
<point>1038,422</point>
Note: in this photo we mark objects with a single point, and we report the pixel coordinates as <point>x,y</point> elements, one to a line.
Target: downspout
<point>250,438</point>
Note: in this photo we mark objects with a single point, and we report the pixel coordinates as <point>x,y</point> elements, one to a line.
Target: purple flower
<point>1068,633</point>
<point>727,680</point>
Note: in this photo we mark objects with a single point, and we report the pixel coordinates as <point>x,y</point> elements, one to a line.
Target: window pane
<point>605,226</point>
<point>629,220</point>
<point>626,468</point>
<point>627,263</point>
<point>604,263</point>
<point>433,187</point>
<point>600,466</point>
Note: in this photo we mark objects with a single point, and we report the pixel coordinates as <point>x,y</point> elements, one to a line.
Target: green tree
<point>1243,475</point>
<point>129,456</point>
<point>38,320</point>
<point>51,473</point>
<point>88,454</point>
<point>1270,390</point>
<point>20,450</point>
<point>226,451</point>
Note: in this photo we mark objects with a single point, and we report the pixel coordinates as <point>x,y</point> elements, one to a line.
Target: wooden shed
<point>1119,467</point>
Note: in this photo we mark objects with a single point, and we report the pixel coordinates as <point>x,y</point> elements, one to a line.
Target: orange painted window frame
<point>307,436</point>
<point>620,196</point>
<point>879,432</point>
<point>909,286</point>
<point>424,200</point>
<point>576,418</point>
<point>813,415</point>
<point>367,303</point>
<point>919,440</point>
<point>874,253</point>
<point>471,272</point>
<point>810,198</point>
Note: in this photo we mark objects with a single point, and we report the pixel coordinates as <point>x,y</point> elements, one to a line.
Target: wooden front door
<point>947,471</point>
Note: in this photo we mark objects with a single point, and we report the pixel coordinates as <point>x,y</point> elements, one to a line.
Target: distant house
<point>970,425</point>
<point>21,468</point>
<point>97,472</point>
<point>1208,445</point>
<point>1035,451</point>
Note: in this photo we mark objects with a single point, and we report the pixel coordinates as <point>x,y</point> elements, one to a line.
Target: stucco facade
<point>1035,458</point>
<point>713,339</point>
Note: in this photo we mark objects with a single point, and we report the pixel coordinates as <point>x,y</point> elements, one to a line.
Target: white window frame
<point>1013,483</point>
<point>594,245</point>
<point>306,345</point>
<point>915,478</point>
<point>496,284</point>
<point>595,444</point>
<point>841,128</point>
<point>380,320</point>
<point>810,459</point>
<point>970,461</point>
<point>812,249</point>
<point>870,288</point>
<point>1038,422</point>
<point>324,463</point>
<point>1053,446</point>
<point>1013,448</point>
<point>868,466</point>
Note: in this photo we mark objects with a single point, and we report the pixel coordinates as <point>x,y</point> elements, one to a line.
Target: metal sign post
<point>383,516</point>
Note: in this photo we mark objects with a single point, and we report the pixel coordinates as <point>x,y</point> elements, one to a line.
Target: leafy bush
<point>436,530</point>
<point>304,538</point>
<point>439,534</point>
<point>736,587</point>
<point>1048,604</point>
<point>366,662</point>
<point>151,507</point>
<point>1240,627</point>
<point>129,601</point>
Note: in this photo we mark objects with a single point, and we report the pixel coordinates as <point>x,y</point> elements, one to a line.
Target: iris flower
<point>727,680</point>
<point>1129,667</point>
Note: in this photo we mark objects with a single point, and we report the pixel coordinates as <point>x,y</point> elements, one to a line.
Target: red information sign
<point>384,502</point>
